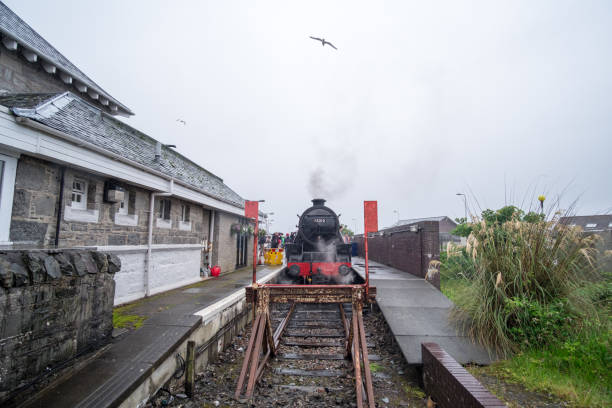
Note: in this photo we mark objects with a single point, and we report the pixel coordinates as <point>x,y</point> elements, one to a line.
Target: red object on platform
<point>215,271</point>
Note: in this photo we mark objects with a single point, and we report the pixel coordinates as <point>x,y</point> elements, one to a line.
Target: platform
<point>416,313</point>
<point>107,379</point>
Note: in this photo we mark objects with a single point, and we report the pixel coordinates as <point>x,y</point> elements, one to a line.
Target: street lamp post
<point>464,204</point>
<point>268,221</point>
<point>355,225</point>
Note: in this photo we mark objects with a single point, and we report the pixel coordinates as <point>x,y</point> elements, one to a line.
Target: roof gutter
<point>39,126</point>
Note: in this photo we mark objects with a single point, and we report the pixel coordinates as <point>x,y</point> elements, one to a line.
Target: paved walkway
<point>417,313</point>
<point>103,381</point>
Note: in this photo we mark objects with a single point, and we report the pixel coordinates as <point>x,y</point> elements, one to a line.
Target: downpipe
<point>147,278</point>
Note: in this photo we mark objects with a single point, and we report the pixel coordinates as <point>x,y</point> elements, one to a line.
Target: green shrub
<point>456,264</point>
<point>531,324</point>
<point>526,279</point>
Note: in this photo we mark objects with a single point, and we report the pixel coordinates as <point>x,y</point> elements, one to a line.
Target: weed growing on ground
<point>121,318</point>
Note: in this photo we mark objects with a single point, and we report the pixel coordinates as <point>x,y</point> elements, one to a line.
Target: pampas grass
<point>541,262</point>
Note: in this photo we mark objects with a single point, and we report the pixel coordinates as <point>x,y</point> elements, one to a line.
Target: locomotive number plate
<point>319,220</point>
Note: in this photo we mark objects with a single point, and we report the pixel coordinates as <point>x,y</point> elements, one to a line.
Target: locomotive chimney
<point>318,202</point>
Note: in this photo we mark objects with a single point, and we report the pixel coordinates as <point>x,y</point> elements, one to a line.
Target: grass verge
<point>577,370</point>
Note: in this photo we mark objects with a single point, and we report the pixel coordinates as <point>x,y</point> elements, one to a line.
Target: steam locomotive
<point>318,255</point>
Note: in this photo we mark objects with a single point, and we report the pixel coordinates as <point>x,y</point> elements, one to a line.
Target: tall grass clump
<point>526,274</point>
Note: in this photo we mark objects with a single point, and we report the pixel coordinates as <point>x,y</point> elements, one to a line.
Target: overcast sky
<point>499,100</point>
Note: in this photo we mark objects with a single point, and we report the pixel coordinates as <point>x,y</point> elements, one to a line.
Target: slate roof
<point>416,220</point>
<point>68,113</point>
<point>588,223</point>
<point>12,26</point>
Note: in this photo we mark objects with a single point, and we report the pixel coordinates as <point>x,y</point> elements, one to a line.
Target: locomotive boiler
<point>318,255</point>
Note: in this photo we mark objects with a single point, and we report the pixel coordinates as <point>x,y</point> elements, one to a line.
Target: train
<point>318,254</point>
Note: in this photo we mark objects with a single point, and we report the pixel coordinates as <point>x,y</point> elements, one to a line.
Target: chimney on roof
<point>158,147</point>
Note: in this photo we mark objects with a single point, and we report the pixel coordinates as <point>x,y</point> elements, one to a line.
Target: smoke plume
<point>321,185</point>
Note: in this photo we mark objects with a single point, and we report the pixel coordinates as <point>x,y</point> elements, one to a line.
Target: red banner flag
<point>251,210</point>
<point>370,216</point>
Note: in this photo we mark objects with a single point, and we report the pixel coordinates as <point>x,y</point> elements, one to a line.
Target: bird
<point>323,42</point>
<point>181,121</point>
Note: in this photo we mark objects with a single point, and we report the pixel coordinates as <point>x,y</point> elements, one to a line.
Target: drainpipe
<point>150,241</point>
<point>59,207</point>
<point>211,231</point>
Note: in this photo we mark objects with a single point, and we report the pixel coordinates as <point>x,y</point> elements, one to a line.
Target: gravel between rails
<point>395,384</point>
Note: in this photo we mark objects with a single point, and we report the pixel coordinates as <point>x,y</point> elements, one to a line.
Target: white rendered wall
<point>172,266</point>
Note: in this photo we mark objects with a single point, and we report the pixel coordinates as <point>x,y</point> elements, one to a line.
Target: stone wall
<point>224,250</point>
<point>404,249</point>
<point>17,75</point>
<point>54,306</point>
<point>33,222</point>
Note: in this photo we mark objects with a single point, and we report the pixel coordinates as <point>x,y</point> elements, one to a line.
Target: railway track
<point>311,355</point>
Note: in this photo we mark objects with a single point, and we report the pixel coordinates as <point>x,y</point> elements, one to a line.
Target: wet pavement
<point>418,313</point>
<point>168,320</point>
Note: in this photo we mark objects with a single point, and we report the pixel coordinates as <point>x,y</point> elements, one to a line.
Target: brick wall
<point>53,306</point>
<point>33,222</point>
<point>403,249</point>
<point>449,384</point>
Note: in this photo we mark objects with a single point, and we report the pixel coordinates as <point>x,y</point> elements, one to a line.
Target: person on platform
<point>275,240</point>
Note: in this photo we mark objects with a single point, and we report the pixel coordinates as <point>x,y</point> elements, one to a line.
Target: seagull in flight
<point>181,121</point>
<point>323,42</point>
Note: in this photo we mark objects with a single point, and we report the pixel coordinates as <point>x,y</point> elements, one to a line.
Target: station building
<point>73,175</point>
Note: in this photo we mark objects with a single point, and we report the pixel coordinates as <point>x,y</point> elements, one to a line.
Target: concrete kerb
<point>218,325</point>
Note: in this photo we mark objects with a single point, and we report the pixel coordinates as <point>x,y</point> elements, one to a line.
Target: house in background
<point>445,225</point>
<point>72,175</point>
<point>593,224</point>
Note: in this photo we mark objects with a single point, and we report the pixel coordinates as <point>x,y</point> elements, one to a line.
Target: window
<point>79,194</point>
<point>8,168</point>
<point>610,225</point>
<point>591,225</point>
<point>185,213</point>
<point>124,204</point>
<point>164,209</point>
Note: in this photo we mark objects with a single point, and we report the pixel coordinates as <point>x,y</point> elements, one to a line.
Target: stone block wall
<point>36,199</point>
<point>18,75</point>
<point>404,249</point>
<point>224,250</point>
<point>54,305</point>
